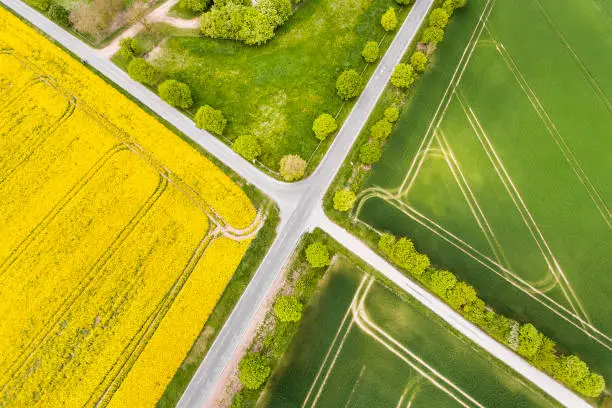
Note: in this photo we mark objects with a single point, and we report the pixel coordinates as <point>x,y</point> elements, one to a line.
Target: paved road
<point>301,210</point>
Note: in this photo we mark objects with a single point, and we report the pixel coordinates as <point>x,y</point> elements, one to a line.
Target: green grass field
<point>276,90</point>
<point>360,345</point>
<point>500,167</point>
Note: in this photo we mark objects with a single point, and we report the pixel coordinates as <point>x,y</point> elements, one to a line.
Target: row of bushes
<point>255,367</point>
<point>403,77</point>
<point>252,25</point>
<point>525,339</point>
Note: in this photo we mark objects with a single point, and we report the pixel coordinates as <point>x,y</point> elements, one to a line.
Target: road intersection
<point>300,207</point>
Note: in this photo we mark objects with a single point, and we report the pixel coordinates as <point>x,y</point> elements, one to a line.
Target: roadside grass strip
<point>119,237</point>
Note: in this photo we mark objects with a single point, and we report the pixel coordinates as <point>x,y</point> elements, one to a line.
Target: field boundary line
<point>552,129</point>
<point>331,347</point>
<point>364,322</point>
<point>521,206</point>
<point>79,289</point>
<point>440,112</point>
<point>488,263</point>
<point>585,71</point>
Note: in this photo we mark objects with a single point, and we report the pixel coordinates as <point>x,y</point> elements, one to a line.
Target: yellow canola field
<point>112,253</point>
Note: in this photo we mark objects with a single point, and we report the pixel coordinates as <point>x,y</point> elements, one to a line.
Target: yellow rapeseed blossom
<point>111,257</point>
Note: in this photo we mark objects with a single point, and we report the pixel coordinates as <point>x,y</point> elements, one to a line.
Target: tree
<point>254,370</point>
<point>407,257</point>
<point>317,255</point>
<point>210,119</point>
<point>288,309</point>
<point>459,3</point>
<point>126,50</point>
<point>381,130</point>
<point>247,146</point>
<point>389,20</point>
<point>140,70</point>
<point>292,167</point>
<point>237,22</point>
<point>323,125</point>
<point>175,93</point>
<point>592,385</point>
<point>432,35</point>
<point>530,341</point>
<point>370,51</point>
<point>386,243</point>
<point>418,60</point>
<point>441,282</point>
<point>571,370</point>
<point>497,325</point>
<point>391,114</point>
<point>404,2</point>
<point>438,18</point>
<point>195,6</point>
<point>403,75</point>
<point>59,14</point>
<point>369,153</point>
<point>277,11</point>
<point>546,358</point>
<point>476,312</point>
<point>460,295</point>
<point>344,200</point>
<point>449,7</point>
<point>349,84</point>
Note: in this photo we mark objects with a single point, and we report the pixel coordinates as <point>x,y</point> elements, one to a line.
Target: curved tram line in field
<point>356,315</point>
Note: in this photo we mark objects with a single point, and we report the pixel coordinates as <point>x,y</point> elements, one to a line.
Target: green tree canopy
<point>381,130</point>
<point>349,84</point>
<point>370,51</point>
<point>403,76</point>
<point>369,153</point>
<point>389,19</point>
<point>438,18</point>
<point>39,4</point>
<point>254,370</point>
<point>530,341</point>
<point>386,243</point>
<point>195,6</point>
<point>288,309</point>
<point>248,147</point>
<point>460,295</point>
<point>391,114</point>
<point>292,167</point>
<point>140,70</point>
<point>441,282</point>
<point>324,125</point>
<point>404,2</point>
<point>407,257</point>
<point>571,370</point>
<point>418,60</point>
<point>175,93</point>
<point>210,119</point>
<point>125,48</point>
<point>277,11</point>
<point>344,200</point>
<point>317,255</point>
<point>237,22</point>
<point>432,35</point>
<point>59,14</point>
<point>592,385</point>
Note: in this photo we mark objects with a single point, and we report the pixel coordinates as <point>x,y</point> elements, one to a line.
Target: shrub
<point>404,2</point>
<point>381,130</point>
<point>288,309</point>
<point>460,295</point>
<point>317,255</point>
<point>432,35</point>
<point>195,6</point>
<point>369,153</point>
<point>323,125</point>
<point>344,200</point>
<point>59,14</point>
<point>403,76</point>
<point>175,93</point>
<point>592,385</point>
<point>449,7</point>
<point>140,70</point>
<point>292,167</point>
<point>389,20</point>
<point>254,370</point>
<point>418,60</point>
<point>126,50</point>
<point>277,11</point>
<point>40,4</point>
<point>438,18</point>
<point>349,84</point>
<point>406,256</point>
<point>441,282</point>
<point>391,114</point>
<point>237,22</point>
<point>459,3</point>
<point>386,244</point>
<point>370,51</point>
<point>210,119</point>
<point>248,147</point>
<point>530,341</point>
